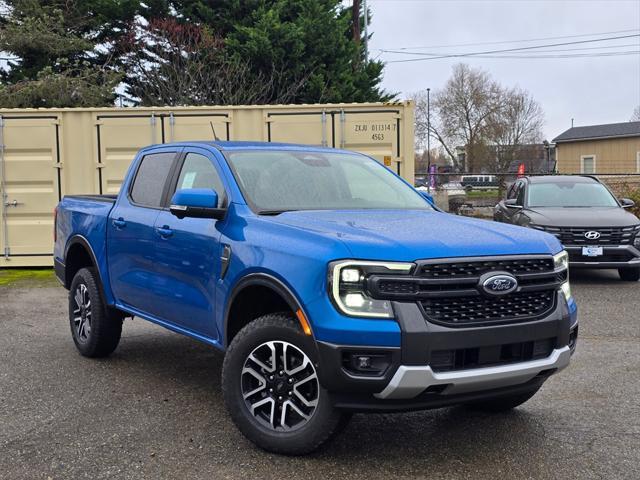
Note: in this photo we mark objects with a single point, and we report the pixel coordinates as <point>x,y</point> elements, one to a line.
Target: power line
<point>435,56</point>
<point>568,55</point>
<point>473,44</point>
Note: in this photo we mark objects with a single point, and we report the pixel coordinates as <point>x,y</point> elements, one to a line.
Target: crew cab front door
<point>187,251</point>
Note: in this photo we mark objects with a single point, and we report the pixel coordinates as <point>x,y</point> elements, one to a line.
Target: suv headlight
<point>561,262</point>
<point>347,286</point>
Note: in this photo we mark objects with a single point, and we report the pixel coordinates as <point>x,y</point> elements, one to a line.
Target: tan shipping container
<point>48,153</point>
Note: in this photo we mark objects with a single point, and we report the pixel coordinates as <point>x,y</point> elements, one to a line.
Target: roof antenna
<point>215,137</point>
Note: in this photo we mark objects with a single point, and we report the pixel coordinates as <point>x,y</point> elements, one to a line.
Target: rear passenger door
<point>188,250</point>
<point>131,235</point>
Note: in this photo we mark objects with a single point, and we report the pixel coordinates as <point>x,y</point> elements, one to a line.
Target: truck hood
<point>407,235</point>
<point>581,217</point>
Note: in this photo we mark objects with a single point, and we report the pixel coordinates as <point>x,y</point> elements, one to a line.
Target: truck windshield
<point>275,181</point>
<point>570,194</point>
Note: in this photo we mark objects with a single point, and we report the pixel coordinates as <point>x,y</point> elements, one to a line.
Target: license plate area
<point>592,251</point>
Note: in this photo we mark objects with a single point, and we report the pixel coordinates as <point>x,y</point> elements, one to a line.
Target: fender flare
<point>264,280</point>
<point>82,241</point>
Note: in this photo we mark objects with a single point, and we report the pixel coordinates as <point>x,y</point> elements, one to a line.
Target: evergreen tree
<point>64,53</point>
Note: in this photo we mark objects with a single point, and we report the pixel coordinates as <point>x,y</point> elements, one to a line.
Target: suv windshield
<point>274,181</point>
<point>569,194</point>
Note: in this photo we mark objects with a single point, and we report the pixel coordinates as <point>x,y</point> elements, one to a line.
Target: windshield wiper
<point>275,212</point>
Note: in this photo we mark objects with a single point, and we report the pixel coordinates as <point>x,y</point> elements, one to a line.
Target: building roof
<point>596,132</point>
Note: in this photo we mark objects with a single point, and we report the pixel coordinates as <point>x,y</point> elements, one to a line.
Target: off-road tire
<point>323,423</point>
<point>502,403</point>
<point>102,336</point>
<point>629,274</point>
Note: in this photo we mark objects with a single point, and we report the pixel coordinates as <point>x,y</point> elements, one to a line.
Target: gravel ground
<point>154,409</point>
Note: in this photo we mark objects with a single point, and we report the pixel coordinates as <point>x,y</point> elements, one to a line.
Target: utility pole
<point>428,130</point>
<point>355,19</point>
<point>366,32</point>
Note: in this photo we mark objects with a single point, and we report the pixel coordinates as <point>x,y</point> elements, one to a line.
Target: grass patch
<point>33,277</point>
<point>482,194</point>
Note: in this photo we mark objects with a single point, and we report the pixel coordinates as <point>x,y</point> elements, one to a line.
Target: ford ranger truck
<point>331,285</point>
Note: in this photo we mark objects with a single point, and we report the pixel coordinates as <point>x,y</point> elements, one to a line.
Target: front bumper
<point>618,256</point>
<point>410,382</point>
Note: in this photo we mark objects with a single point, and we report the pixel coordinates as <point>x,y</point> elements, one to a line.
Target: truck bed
<point>83,218</point>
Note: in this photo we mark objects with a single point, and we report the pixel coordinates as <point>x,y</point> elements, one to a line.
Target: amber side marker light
<point>304,323</point>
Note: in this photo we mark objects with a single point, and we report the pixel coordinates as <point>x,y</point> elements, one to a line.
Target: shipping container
<point>48,153</point>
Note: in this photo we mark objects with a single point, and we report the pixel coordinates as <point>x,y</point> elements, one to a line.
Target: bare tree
<point>518,122</point>
<point>635,117</point>
<point>184,64</point>
<point>474,113</point>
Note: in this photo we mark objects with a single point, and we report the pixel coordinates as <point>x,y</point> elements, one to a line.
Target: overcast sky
<point>591,89</point>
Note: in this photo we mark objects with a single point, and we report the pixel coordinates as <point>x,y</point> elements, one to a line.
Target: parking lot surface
<point>155,410</point>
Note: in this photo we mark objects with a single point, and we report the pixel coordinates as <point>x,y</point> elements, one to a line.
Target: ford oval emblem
<point>500,284</point>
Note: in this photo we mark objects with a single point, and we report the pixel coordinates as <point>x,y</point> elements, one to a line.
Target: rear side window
<point>149,183</point>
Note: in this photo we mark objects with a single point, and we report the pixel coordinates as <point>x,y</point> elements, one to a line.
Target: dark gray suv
<point>592,224</point>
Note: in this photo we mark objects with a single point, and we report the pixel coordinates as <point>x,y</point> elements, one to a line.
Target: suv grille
<point>478,309</point>
<point>608,235</point>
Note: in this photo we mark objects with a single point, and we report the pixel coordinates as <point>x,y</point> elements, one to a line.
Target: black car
<point>592,224</point>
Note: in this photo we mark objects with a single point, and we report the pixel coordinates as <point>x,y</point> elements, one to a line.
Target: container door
<point>119,137</point>
<point>375,133</point>
<point>29,186</point>
<point>184,127</point>
<point>307,127</point>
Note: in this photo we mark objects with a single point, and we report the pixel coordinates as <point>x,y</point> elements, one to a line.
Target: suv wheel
<point>271,388</point>
<point>95,329</point>
<point>629,274</point>
<point>503,403</point>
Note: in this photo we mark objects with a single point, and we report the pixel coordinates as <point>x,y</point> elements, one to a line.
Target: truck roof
<point>251,145</point>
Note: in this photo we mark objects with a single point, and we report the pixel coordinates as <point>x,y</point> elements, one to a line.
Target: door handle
<point>165,231</point>
<point>119,223</point>
<point>15,203</point>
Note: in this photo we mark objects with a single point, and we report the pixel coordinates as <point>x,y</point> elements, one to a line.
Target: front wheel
<point>95,328</point>
<point>629,274</point>
<point>502,403</point>
<point>271,388</point>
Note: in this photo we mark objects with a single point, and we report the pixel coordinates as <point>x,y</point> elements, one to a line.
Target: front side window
<point>150,179</point>
<point>570,194</point>
<point>199,172</point>
<point>275,181</point>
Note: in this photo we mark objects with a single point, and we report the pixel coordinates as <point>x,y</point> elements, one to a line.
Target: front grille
<point>608,236</point>
<point>480,310</point>
<point>477,268</point>
<point>450,292</point>
<point>493,355</point>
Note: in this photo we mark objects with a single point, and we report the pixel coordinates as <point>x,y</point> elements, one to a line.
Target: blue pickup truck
<point>331,285</point>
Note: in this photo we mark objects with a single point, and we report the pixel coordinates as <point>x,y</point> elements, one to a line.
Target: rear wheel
<point>503,403</point>
<point>271,388</point>
<point>629,274</point>
<point>95,329</point>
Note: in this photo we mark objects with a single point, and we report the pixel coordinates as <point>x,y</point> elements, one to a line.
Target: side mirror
<point>428,197</point>
<point>196,203</point>
<point>627,203</point>
<point>511,203</point>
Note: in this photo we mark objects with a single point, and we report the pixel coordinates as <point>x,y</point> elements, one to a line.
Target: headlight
<point>348,286</point>
<point>561,261</point>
